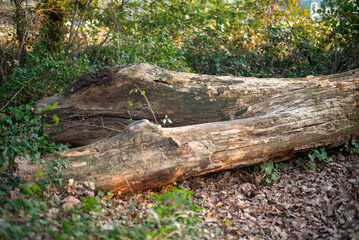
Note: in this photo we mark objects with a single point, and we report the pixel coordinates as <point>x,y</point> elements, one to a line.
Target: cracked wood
<point>282,117</point>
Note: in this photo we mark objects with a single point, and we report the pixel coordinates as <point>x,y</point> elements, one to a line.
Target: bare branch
<point>73,22</point>
<point>79,24</point>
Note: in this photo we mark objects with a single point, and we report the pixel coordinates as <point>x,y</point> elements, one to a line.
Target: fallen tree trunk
<point>97,104</point>
<point>277,118</point>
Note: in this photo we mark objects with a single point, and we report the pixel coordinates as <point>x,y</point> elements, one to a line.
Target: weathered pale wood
<point>282,118</point>
<point>96,105</point>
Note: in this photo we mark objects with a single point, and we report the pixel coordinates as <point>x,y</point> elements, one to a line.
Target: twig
<point>129,186</point>
<point>70,43</point>
<point>94,125</point>
<point>73,22</point>
<point>109,135</point>
<point>16,93</point>
<point>3,65</point>
<point>112,26</point>
<point>335,52</point>
<point>99,48</point>
<point>243,172</point>
<point>103,124</point>
<point>149,105</point>
<point>23,38</point>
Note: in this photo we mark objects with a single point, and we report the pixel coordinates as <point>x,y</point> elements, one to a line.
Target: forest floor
<point>302,204</point>
<point>239,204</point>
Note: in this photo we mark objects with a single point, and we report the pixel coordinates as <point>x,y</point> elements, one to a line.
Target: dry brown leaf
<point>71,202</point>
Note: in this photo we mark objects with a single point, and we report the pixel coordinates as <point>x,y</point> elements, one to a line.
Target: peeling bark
<point>269,119</point>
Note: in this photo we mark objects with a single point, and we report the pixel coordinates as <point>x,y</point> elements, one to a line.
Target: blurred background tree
<point>341,20</point>
<point>53,25</point>
<point>267,38</point>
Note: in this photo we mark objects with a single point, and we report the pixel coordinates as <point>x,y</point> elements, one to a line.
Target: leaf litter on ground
<point>322,203</point>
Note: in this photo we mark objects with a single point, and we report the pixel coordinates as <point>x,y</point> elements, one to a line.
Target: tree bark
<point>251,121</point>
<point>97,104</point>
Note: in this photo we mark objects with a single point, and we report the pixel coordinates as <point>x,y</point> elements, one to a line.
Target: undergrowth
<point>185,36</point>
<point>316,159</point>
<point>31,214</point>
<point>31,211</point>
<point>42,75</point>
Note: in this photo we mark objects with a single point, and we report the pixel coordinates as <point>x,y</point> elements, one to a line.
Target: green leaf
<point>100,193</point>
<point>89,200</point>
<point>311,156</point>
<point>28,190</point>
<point>309,165</point>
<point>130,104</point>
<point>56,119</point>
<point>268,169</point>
<point>35,187</point>
<point>274,176</point>
<point>6,119</point>
<point>299,161</point>
<point>64,163</point>
<point>356,145</point>
<point>227,222</point>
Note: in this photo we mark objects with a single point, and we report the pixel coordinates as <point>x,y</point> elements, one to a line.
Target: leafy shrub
<point>270,170</point>
<point>176,201</point>
<point>142,49</point>
<point>28,217</point>
<point>352,147</point>
<point>172,217</point>
<point>31,216</point>
<point>314,157</point>
<point>321,155</point>
<point>21,134</point>
<point>43,75</point>
<point>341,19</point>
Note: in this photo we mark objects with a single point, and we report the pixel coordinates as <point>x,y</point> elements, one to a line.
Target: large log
<point>96,105</point>
<point>278,118</point>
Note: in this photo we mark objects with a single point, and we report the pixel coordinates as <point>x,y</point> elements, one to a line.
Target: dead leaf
<point>71,202</point>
